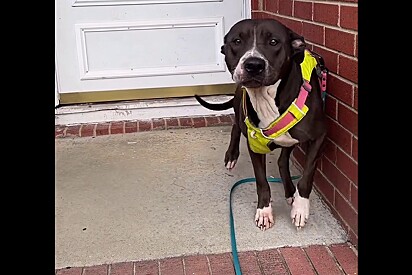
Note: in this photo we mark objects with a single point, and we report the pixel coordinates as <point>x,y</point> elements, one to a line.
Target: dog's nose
<point>254,65</point>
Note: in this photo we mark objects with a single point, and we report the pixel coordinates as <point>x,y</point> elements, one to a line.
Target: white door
<point>106,45</point>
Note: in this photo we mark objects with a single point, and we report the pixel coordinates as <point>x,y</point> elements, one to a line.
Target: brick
<point>102,129</point>
<point>330,58</point>
<point>249,263</point>
<point>340,41</point>
<point>70,271</point>
<point>130,127</point>
<point>255,4</point>
<point>354,196</point>
<point>340,89</point>
<point>121,269</point>
<point>335,176</point>
<point>297,261</point>
<point>345,210</point>
<point>331,106</point>
<point>346,258</point>
<point>186,122</point>
<point>212,121</point>
<point>159,124</point>
<point>172,123</point>
<point>199,122</point>
<point>339,135</point>
<point>330,150</point>
<point>285,7</point>
<point>348,118</point>
<point>355,148</point>
<point>221,264</point>
<point>294,25</point>
<point>117,127</point>
<point>59,130</point>
<point>349,17</point>
<point>88,130</point>
<point>353,238</point>
<point>355,98</point>
<point>347,165</point>
<point>232,117</point>
<point>271,5</point>
<point>258,15</point>
<point>326,13</point>
<point>73,130</point>
<point>150,267</point>
<point>196,264</point>
<point>314,33</point>
<point>172,266</point>
<point>96,270</point>
<point>348,68</point>
<point>324,187</point>
<point>303,10</point>
<point>226,119</point>
<point>272,263</point>
<point>322,260</point>
<point>356,45</point>
<point>144,125</point>
<point>299,156</point>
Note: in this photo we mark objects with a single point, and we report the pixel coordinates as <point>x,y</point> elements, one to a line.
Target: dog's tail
<point>215,106</point>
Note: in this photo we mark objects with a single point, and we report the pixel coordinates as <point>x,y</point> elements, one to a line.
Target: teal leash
<point>232,226</point>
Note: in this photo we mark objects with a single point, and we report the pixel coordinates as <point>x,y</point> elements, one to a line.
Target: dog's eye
<point>273,42</point>
<point>237,41</point>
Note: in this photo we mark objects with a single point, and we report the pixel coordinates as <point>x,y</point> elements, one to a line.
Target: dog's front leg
<point>300,205</point>
<point>284,170</point>
<point>264,217</point>
<point>232,153</point>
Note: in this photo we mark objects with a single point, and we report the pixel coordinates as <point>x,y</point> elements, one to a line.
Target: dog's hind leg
<point>300,206</point>
<point>284,170</point>
<point>232,153</point>
<point>264,217</point>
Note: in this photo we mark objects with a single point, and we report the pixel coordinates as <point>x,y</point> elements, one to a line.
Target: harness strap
<point>244,101</point>
<point>297,110</point>
<point>294,113</point>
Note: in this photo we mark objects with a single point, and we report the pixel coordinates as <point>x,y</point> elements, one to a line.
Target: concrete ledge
<point>136,110</point>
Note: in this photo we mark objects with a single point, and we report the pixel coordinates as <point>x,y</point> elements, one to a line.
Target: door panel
<point>137,50</point>
<point>104,45</point>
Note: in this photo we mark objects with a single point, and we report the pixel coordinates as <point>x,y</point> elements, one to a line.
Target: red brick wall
<point>330,28</point>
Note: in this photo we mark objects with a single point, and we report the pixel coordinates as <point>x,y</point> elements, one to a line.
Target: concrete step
<point>150,195</point>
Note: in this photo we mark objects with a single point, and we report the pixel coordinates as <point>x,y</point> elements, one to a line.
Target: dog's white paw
<point>300,210</point>
<point>264,218</point>
<point>231,164</point>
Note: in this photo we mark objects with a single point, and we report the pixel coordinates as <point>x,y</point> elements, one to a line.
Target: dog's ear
<point>222,49</point>
<point>298,46</point>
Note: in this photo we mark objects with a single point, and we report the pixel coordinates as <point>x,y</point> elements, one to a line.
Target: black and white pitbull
<point>264,59</point>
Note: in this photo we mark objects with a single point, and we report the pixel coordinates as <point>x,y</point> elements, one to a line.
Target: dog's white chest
<point>263,101</point>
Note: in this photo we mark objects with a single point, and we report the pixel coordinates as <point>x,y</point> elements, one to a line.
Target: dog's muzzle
<point>251,73</point>
<point>254,66</point>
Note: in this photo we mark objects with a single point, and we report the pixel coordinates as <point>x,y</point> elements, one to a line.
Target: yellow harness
<point>259,139</point>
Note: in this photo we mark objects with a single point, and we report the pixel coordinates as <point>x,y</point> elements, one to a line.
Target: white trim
<point>137,110</point>
<point>247,9</point>
<point>56,88</point>
<point>56,92</point>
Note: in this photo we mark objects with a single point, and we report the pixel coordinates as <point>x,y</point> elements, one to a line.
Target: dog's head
<point>259,52</point>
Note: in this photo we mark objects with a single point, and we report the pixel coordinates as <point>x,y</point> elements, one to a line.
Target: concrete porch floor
<point>145,196</point>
